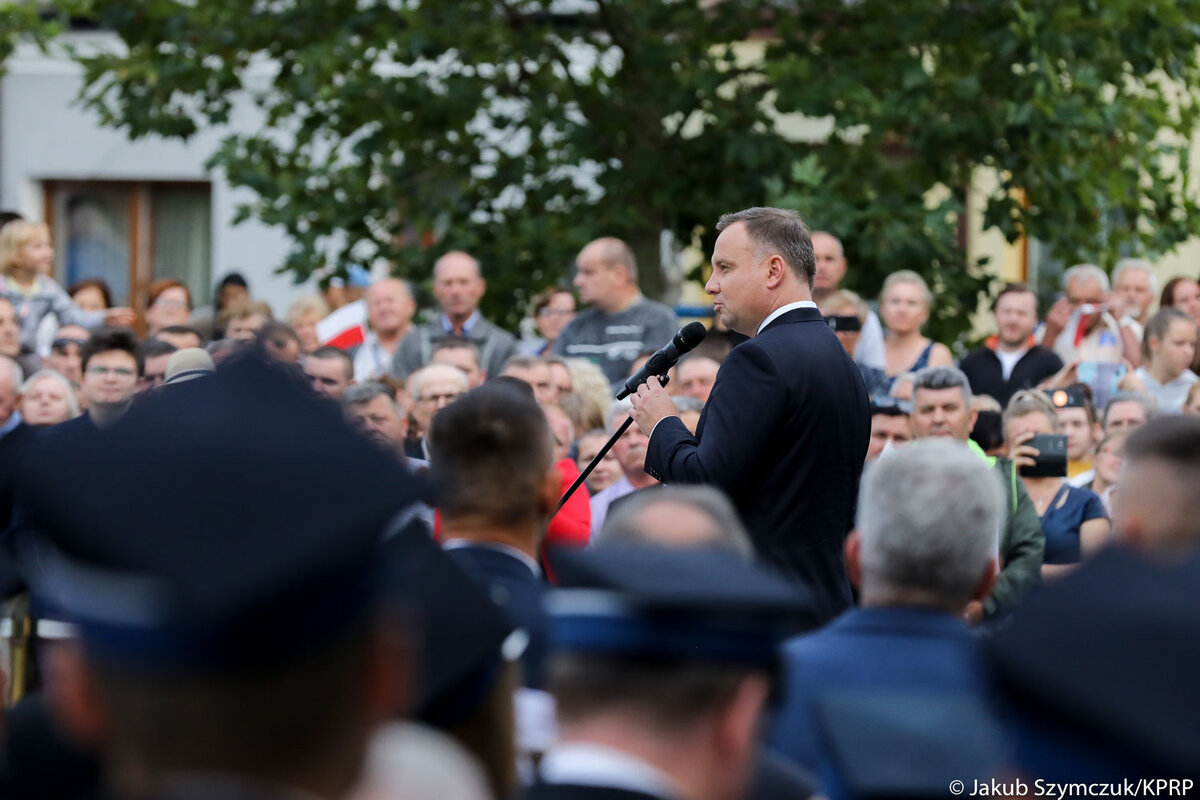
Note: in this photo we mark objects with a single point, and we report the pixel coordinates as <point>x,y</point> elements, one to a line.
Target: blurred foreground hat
<point>208,537</point>
<point>686,604</point>
<point>188,364</point>
<point>465,638</point>
<point>1100,670</point>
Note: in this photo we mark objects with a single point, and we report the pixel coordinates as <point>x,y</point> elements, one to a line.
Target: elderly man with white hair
<point>431,388</point>
<point>1080,325</point>
<point>1136,284</point>
<point>925,546</point>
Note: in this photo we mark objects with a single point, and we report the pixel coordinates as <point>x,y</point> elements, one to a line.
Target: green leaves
<point>521,129</point>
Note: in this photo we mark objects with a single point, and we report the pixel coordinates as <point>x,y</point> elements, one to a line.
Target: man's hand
<point>973,613</point>
<point>650,404</point>
<point>1056,319</point>
<point>1021,453</point>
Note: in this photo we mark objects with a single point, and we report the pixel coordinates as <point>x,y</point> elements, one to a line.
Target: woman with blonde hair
<point>25,256</point>
<point>1073,519</point>
<point>904,307</point>
<point>47,398</point>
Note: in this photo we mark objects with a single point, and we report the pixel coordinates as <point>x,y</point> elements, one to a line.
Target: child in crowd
<point>26,258</point>
<point>1168,349</point>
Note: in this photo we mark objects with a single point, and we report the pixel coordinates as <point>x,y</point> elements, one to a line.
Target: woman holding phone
<point>1073,519</point>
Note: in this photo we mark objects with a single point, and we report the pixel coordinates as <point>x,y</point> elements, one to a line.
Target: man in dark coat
<point>785,430</point>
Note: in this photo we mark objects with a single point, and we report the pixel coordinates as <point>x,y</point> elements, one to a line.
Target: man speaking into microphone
<point>785,429</point>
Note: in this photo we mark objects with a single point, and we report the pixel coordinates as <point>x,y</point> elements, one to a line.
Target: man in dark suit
<point>924,547</point>
<point>785,430</point>
<point>493,468</point>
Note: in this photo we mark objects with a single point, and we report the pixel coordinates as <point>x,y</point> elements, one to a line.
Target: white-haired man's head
<point>929,517</point>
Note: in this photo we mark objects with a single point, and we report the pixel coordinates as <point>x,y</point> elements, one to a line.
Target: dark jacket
<point>784,434</point>
<point>514,587</point>
<point>983,371</point>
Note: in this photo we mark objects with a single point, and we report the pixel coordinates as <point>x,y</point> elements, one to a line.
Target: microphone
<point>688,337</point>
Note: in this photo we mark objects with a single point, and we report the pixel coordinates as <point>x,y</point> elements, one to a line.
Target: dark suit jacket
<point>912,651</point>
<point>511,585</point>
<point>986,375</point>
<point>784,434</point>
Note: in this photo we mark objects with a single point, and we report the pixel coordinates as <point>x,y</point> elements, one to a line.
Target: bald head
<point>390,307</point>
<point>831,260</point>
<point>606,274</point>
<point>458,285</point>
<point>434,387</point>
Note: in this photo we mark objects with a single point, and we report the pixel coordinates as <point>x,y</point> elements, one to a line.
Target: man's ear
<point>738,723</point>
<point>71,692</point>
<point>777,270</point>
<point>987,580</point>
<point>548,493</point>
<point>853,553</point>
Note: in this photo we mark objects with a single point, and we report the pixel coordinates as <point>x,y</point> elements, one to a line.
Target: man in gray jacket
<point>458,286</point>
<point>621,322</point>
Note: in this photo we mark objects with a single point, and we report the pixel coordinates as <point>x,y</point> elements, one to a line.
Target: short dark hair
<point>669,695</point>
<point>1014,288</point>
<point>182,329</point>
<point>277,333</point>
<point>1173,438</point>
<point>92,283</point>
<point>153,348</point>
<point>778,230</point>
<point>457,343</point>
<point>490,450</point>
<point>328,351</point>
<point>104,340</point>
<point>262,722</point>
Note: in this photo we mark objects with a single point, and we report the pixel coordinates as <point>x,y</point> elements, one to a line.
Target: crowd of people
<point>305,567</point>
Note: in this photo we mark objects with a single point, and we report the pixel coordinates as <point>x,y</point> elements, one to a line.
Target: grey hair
<point>417,377</point>
<point>929,517</point>
<point>937,378</point>
<point>1147,402</point>
<point>685,404</point>
<point>1126,264</point>
<point>359,394</point>
<point>622,525</point>
<point>906,377</point>
<point>1090,271</point>
<point>778,231</point>
<point>18,374</point>
<point>618,409</point>
<point>28,384</point>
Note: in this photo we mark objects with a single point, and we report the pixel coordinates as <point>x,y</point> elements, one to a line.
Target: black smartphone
<point>847,323</point>
<point>1052,456</point>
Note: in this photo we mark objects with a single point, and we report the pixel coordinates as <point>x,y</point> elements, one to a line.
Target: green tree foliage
<point>1084,108</point>
<point>514,130</point>
<point>519,129</point>
<point>21,19</point>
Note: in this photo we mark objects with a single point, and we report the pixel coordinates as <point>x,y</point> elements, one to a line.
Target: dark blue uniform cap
<point>230,522</point>
<point>892,744</point>
<point>686,604</point>
<point>1100,669</point>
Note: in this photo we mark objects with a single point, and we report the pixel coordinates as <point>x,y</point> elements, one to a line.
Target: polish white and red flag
<point>346,327</point>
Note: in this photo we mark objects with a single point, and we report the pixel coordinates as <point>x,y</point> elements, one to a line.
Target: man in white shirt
<point>390,309</point>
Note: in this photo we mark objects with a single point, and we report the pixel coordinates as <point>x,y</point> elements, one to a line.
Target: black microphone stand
<point>663,380</point>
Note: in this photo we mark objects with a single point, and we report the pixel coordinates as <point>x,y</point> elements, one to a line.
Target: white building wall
<point>45,135</point>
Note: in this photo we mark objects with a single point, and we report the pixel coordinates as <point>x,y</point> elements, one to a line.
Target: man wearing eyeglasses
<point>111,361</point>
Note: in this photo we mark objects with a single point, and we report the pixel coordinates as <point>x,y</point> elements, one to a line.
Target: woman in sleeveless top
<point>904,307</point>
<point>1073,519</point>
